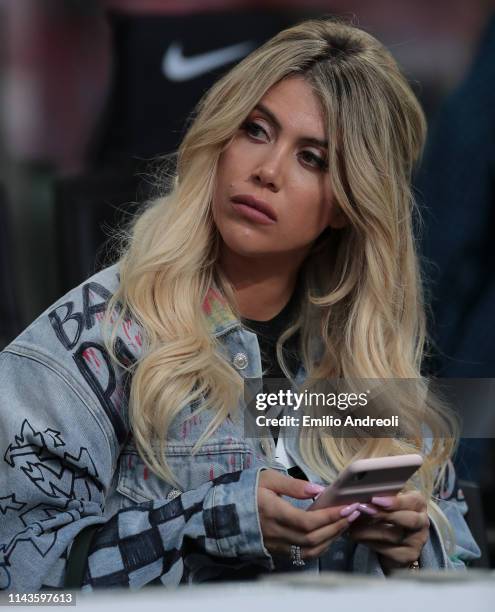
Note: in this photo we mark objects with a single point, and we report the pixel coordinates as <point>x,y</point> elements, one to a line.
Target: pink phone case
<point>364,478</point>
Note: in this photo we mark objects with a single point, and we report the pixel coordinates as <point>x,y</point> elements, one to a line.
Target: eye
<point>313,160</point>
<point>253,129</point>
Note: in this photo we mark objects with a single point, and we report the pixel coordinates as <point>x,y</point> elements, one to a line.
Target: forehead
<point>296,106</point>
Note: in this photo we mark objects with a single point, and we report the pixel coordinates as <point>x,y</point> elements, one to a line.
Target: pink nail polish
<point>349,509</point>
<point>354,516</point>
<point>384,502</point>
<point>313,489</point>
<point>367,509</point>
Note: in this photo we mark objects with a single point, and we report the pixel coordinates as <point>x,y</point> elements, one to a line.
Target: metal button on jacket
<point>240,361</point>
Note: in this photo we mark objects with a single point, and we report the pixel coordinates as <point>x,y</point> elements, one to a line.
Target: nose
<point>268,172</point>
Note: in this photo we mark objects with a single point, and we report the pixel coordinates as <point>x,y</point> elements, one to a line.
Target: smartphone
<point>365,478</point>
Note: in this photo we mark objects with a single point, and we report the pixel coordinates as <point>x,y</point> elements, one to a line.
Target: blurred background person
<point>456,186</point>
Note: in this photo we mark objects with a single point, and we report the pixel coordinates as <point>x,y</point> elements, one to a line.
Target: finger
<point>387,535</point>
<point>410,500</point>
<point>399,554</point>
<point>324,535</point>
<point>407,519</point>
<point>275,511</point>
<point>282,511</point>
<point>286,485</point>
<point>319,537</point>
<point>306,552</point>
<point>305,521</point>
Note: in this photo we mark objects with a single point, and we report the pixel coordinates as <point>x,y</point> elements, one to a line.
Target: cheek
<point>222,179</point>
<point>312,210</point>
<point>222,171</point>
<point>230,162</point>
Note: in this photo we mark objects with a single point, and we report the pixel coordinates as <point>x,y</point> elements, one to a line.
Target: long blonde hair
<point>362,289</point>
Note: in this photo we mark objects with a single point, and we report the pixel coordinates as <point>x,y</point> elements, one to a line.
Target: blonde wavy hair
<point>362,288</point>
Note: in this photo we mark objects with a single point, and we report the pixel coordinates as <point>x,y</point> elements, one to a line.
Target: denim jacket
<point>69,462</point>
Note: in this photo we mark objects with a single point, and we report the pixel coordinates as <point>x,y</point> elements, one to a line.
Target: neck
<point>262,286</point>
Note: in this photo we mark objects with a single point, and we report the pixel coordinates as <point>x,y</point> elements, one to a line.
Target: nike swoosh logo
<point>176,67</point>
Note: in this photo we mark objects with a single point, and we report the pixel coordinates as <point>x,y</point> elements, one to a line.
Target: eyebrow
<point>276,122</point>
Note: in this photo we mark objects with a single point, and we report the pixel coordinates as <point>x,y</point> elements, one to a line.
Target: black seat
<point>10,318</point>
<point>88,210</point>
<point>156,79</point>
<point>476,521</point>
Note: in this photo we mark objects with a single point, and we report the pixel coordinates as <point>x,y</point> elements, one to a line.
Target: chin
<point>248,248</point>
<point>244,239</point>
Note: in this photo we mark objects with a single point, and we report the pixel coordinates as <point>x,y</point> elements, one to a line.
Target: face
<point>273,194</point>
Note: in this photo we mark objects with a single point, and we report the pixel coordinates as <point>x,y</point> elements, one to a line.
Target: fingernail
<point>385,502</point>
<point>349,509</point>
<point>367,509</point>
<point>313,489</point>
<point>354,516</point>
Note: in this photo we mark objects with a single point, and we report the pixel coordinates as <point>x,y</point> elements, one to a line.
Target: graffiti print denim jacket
<point>68,461</point>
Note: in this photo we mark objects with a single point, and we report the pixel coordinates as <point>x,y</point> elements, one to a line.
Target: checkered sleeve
<point>193,537</point>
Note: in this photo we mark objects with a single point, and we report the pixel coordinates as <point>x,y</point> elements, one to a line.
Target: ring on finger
<point>295,556</point>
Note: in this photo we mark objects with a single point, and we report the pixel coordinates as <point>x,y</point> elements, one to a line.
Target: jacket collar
<point>219,315</point>
<point>220,320</point>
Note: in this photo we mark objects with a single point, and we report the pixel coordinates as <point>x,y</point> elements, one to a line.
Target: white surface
<point>362,596</point>
<point>281,454</point>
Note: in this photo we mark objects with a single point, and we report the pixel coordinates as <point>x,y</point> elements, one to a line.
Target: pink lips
<point>255,209</point>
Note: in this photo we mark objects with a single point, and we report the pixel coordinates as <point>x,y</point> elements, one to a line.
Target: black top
<point>268,333</point>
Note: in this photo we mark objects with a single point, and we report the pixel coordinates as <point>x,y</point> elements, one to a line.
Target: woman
<point>290,209</point>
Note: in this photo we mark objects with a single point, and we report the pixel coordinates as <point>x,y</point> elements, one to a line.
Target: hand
<point>397,528</point>
<point>283,525</point>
